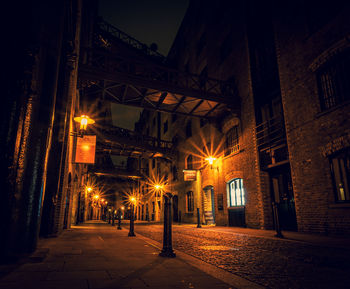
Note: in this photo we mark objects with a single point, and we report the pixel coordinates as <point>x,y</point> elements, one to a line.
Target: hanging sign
<point>190,175</point>
<point>85,149</point>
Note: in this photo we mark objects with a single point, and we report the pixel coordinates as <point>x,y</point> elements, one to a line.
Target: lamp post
<point>131,229</point>
<point>167,250</point>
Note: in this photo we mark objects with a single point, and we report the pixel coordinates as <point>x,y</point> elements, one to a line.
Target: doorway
<point>209,205</point>
<point>283,195</point>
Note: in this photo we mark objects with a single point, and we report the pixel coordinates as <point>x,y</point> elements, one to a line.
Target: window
<point>232,141</point>
<point>235,193</point>
<point>189,202</point>
<point>333,84</point>
<point>189,162</point>
<point>165,128</point>
<point>189,129</point>
<point>340,169</point>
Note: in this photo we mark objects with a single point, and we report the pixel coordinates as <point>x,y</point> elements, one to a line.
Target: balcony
<point>271,141</point>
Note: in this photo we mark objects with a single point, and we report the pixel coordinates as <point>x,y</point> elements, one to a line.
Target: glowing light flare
<point>210,159</point>
<point>96,197</point>
<point>158,187</point>
<point>122,208</point>
<point>206,149</point>
<point>88,189</point>
<point>84,120</point>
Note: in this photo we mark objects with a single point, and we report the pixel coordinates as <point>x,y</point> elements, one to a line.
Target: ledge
<point>339,206</point>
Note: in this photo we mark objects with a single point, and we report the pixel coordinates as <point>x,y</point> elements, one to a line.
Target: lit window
<point>235,193</point>
<point>189,201</point>
<point>340,169</point>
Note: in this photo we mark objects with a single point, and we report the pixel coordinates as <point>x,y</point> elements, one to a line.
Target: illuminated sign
<point>190,175</point>
<point>85,149</point>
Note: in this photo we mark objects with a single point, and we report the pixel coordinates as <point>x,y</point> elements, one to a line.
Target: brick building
<point>285,144</point>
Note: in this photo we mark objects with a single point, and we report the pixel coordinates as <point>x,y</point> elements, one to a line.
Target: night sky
<point>149,21</point>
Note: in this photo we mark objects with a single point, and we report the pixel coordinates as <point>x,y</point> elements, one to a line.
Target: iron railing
<point>270,132</point>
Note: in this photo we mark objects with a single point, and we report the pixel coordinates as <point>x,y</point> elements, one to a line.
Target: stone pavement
<point>97,255</point>
<point>298,261</point>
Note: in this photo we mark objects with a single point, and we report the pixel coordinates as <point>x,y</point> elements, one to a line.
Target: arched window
<point>189,202</point>
<point>189,162</point>
<point>235,193</point>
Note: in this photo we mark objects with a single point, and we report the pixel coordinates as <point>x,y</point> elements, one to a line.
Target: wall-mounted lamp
<point>84,120</point>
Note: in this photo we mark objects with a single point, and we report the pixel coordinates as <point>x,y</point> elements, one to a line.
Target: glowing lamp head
<point>88,189</point>
<point>84,120</point>
<point>122,208</point>
<point>96,197</point>
<point>210,160</point>
<point>158,187</point>
<point>133,200</point>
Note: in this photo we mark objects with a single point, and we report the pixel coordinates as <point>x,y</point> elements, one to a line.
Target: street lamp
<point>84,120</point>
<point>210,160</point>
<point>131,229</point>
<point>167,250</point>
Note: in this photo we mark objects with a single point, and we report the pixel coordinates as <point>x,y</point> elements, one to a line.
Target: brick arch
<point>233,175</point>
<point>329,53</point>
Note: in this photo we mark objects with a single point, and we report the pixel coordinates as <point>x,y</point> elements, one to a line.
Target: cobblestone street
<point>270,262</point>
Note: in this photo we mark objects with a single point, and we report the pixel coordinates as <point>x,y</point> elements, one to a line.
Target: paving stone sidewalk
<point>300,261</point>
<point>96,255</point>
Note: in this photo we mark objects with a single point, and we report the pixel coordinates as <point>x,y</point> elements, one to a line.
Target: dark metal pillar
<point>119,220</point>
<point>198,219</point>
<point>131,230</point>
<point>167,250</point>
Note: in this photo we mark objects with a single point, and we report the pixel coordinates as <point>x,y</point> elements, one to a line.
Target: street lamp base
<point>131,234</point>
<point>167,254</point>
<point>119,228</point>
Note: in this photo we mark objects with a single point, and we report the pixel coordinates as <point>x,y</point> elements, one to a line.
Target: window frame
<point>232,148</point>
<point>344,175</point>
<point>189,162</point>
<point>240,193</point>
<point>189,202</point>
<point>333,89</point>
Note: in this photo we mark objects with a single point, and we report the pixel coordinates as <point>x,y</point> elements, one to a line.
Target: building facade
<point>284,149</point>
